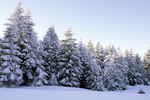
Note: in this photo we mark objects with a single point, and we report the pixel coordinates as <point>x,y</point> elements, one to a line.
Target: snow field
<point>67,93</point>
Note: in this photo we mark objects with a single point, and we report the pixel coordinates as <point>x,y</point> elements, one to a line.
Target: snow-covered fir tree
<point>85,60</point>
<point>26,41</point>
<point>122,61</point>
<point>49,50</point>
<point>100,56</point>
<point>94,78</point>
<point>141,70</point>
<point>135,76</point>
<point>70,68</point>
<point>90,48</point>
<point>34,71</point>
<point>115,77</point>
<point>90,78</point>
<point>10,73</point>
<point>146,63</point>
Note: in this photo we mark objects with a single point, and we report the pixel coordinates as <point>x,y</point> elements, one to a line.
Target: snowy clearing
<point>67,93</point>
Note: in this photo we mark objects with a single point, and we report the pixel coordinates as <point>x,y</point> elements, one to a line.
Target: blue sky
<point>124,23</point>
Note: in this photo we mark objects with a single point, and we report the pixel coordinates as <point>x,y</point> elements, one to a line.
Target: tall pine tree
<point>10,73</point>
<point>49,50</point>
<point>115,77</point>
<point>91,77</point>
<point>90,48</point>
<point>34,71</point>
<point>100,55</point>
<point>135,74</point>
<point>70,68</point>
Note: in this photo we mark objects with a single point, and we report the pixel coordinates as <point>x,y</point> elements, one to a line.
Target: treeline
<point>26,62</point>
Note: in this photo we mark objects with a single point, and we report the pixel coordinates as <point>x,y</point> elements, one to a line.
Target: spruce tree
<point>49,50</point>
<point>90,48</point>
<point>16,22</point>
<point>34,71</point>
<point>140,69</point>
<point>94,79</point>
<point>90,78</point>
<point>85,59</point>
<point>70,68</point>
<point>100,56</point>
<point>115,77</point>
<point>135,74</point>
<point>10,72</point>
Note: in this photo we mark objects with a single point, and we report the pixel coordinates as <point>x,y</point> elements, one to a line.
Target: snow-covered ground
<point>66,93</point>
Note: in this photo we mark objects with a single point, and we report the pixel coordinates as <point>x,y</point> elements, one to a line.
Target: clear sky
<point>124,23</point>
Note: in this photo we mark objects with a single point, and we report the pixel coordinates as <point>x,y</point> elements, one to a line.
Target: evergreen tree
<point>17,27</point>
<point>94,79</point>
<point>141,70</point>
<point>10,72</point>
<point>26,40</point>
<point>90,78</point>
<point>34,71</point>
<point>115,77</point>
<point>146,63</point>
<point>100,56</point>
<point>70,68</point>
<point>85,59</point>
<point>90,48</point>
<point>135,76</point>
<point>49,48</point>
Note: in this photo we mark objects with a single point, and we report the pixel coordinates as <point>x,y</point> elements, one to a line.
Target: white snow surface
<point>67,93</point>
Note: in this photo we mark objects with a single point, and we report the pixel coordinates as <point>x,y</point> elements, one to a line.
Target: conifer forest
<point>25,61</point>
